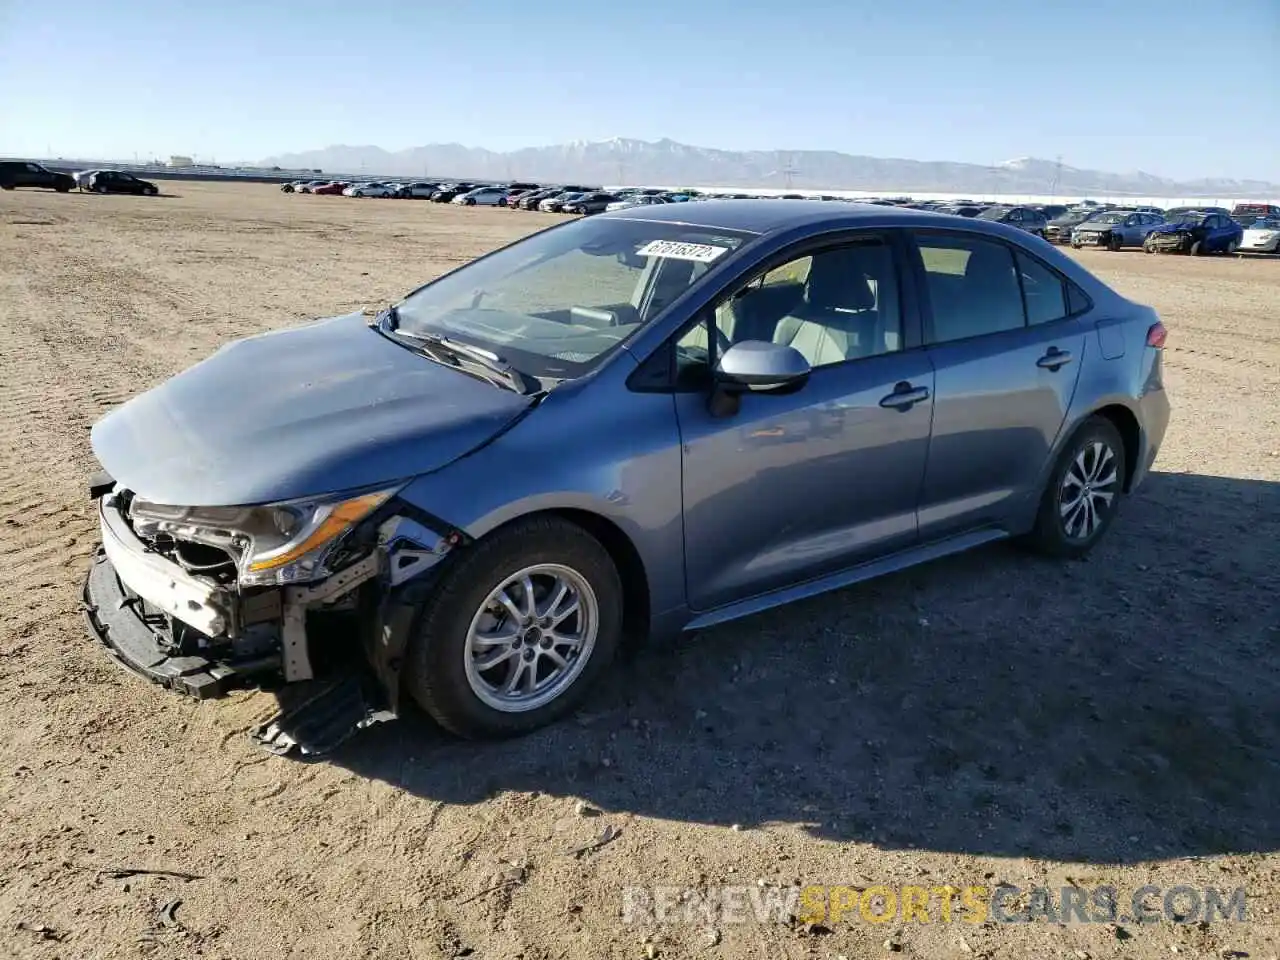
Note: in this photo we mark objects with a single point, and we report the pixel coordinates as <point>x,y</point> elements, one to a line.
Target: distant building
<point>176,161</point>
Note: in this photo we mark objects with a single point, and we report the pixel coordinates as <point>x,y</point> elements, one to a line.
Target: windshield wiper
<point>458,354</point>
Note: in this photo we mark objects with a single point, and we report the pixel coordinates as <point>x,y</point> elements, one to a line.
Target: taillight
<point>1156,335</point>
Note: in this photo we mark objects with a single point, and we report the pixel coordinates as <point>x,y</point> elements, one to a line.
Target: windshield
<point>1187,218</point>
<point>993,213</point>
<point>554,304</point>
<point>1110,218</point>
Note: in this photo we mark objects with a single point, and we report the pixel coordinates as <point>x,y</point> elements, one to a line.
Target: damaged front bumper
<point>204,638</point>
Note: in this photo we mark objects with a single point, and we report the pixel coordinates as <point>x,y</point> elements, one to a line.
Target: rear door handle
<point>904,397</point>
<point>1054,359</point>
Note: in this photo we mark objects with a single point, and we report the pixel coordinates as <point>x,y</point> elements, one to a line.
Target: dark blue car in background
<point>1196,232</point>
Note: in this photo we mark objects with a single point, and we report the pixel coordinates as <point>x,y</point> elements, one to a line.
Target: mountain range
<point>668,163</point>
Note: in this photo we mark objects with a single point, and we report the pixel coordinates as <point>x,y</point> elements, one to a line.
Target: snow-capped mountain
<point>623,160</point>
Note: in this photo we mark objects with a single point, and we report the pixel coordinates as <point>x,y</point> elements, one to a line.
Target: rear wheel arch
<point>1126,423</point>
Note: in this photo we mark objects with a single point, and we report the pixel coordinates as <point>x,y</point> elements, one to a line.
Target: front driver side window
<point>838,304</point>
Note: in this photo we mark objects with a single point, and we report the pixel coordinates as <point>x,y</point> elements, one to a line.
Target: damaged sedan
<point>642,423</point>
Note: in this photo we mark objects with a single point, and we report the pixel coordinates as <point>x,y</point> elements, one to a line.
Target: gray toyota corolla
<point>645,422</point>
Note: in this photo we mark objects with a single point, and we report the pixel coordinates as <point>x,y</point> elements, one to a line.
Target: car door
<point>1223,231</point>
<point>1006,350</point>
<point>796,485</point>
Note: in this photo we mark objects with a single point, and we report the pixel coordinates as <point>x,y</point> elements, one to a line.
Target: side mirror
<point>755,366</point>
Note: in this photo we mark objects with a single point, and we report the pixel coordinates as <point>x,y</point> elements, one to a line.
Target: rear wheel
<point>518,630</point>
<point>1080,500</point>
<point>1232,247</point>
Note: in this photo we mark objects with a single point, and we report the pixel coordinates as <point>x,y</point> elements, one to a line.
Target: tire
<point>7,186</point>
<point>1069,536</point>
<point>441,673</point>
<point>62,189</point>
<point>1197,248</point>
<point>1232,247</point>
<point>1115,243</point>
<point>151,191</point>
<point>468,203</point>
<point>1148,248</point>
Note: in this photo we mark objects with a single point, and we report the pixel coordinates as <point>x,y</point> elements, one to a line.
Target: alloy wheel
<point>1087,491</point>
<point>531,638</point>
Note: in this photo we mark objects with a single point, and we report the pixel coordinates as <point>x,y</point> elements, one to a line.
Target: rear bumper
<point>1154,405</point>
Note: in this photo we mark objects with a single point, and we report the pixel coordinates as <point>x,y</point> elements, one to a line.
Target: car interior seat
<point>838,317</point>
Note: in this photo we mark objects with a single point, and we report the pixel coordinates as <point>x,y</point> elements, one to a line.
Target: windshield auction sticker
<point>674,250</point>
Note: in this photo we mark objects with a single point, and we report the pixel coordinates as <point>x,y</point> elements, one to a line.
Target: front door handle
<point>904,397</point>
<point>1054,359</point>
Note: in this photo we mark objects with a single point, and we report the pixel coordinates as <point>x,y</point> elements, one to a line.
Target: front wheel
<point>1197,248</point>
<point>1080,500</point>
<point>1114,244</point>
<point>518,630</point>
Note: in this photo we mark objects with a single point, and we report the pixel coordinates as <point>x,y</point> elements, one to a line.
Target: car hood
<point>326,407</point>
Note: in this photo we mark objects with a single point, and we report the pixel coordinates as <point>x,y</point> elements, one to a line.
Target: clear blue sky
<point>1179,88</point>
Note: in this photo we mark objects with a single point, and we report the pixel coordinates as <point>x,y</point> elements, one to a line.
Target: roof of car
<point>766,216</point>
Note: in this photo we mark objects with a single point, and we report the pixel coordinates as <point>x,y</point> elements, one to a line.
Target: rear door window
<point>1043,290</point>
<point>972,284</point>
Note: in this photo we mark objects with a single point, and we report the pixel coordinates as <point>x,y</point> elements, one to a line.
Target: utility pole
<point>788,171</point>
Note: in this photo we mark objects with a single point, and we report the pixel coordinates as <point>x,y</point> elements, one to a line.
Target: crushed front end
<point>311,600</point>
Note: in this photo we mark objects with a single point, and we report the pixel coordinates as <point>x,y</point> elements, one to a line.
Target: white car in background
<point>482,197</point>
<point>1262,236</point>
<point>368,190</point>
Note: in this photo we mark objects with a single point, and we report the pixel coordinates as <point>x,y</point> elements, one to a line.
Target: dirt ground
<point>984,720</point>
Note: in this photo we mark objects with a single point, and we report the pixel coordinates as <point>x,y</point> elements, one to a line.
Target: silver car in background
<point>1115,229</point>
<point>645,422</point>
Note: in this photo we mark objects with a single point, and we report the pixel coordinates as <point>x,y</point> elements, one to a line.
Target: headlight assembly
<point>271,544</point>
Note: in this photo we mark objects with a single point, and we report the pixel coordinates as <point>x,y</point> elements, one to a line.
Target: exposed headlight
<point>271,544</point>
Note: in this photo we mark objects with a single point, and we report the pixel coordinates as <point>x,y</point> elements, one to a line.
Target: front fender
<point>592,446</point>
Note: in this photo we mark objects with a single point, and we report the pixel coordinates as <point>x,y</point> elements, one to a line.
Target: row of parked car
<point>1253,227</point>
<point>24,173</point>
<point>1192,230</point>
